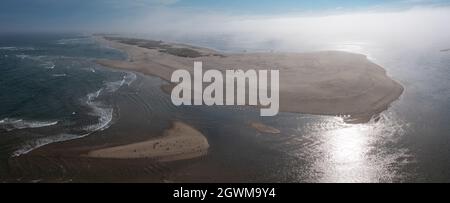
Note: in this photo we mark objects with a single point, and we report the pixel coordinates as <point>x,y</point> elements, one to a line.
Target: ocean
<point>51,90</point>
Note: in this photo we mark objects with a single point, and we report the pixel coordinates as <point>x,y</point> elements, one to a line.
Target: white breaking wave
<point>105,117</point>
<point>59,75</point>
<point>23,56</point>
<point>49,65</point>
<point>32,145</point>
<point>104,113</point>
<point>12,124</point>
<point>126,80</point>
<point>43,60</point>
<point>17,48</point>
<point>129,78</point>
<point>80,40</point>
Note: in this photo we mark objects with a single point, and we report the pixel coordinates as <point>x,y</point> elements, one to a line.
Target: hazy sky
<point>111,15</point>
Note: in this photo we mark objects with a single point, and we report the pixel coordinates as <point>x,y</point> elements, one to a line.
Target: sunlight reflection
<point>353,152</point>
<point>347,150</point>
<point>348,144</point>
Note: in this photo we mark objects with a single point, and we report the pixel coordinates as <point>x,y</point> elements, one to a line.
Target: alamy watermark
<point>220,86</point>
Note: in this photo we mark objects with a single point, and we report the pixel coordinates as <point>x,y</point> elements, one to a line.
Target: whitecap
<point>130,78</point>
<point>49,65</point>
<point>104,114</point>
<point>79,40</point>
<point>10,124</point>
<point>17,48</point>
<point>113,86</point>
<point>25,56</point>
<point>59,75</point>
<point>8,48</point>
<point>22,56</point>
<point>34,144</point>
<point>126,80</point>
<point>43,60</point>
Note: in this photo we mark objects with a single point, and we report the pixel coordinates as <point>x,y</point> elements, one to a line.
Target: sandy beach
<point>325,83</point>
<point>179,142</point>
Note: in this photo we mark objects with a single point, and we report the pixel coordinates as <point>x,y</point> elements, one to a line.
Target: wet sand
<point>262,128</point>
<point>179,142</point>
<point>324,83</point>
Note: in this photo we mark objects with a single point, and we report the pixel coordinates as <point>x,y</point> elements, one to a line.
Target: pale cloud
<point>425,25</point>
<point>154,2</point>
<point>121,4</point>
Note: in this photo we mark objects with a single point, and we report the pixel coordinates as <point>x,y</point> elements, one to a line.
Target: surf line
<point>213,94</point>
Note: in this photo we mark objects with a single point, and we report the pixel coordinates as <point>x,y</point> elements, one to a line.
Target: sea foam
<point>17,48</point>
<point>105,113</point>
<point>34,144</point>
<point>102,111</point>
<point>10,124</point>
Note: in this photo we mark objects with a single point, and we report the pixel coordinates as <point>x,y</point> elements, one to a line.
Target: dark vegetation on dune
<point>160,46</point>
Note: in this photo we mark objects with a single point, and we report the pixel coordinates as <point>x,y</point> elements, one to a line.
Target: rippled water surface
<point>51,90</point>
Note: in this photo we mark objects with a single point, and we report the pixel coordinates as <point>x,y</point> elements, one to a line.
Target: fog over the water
<point>423,26</point>
<point>54,91</point>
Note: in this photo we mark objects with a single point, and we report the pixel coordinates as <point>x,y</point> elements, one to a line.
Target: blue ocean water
<point>52,90</point>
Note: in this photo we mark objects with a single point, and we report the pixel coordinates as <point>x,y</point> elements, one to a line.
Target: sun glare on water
<point>353,152</point>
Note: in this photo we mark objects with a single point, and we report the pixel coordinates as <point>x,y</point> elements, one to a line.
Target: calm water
<point>51,90</point>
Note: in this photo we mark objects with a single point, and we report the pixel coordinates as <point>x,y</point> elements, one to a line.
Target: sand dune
<point>325,83</point>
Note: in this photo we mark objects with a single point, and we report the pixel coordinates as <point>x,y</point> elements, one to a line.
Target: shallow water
<point>410,142</point>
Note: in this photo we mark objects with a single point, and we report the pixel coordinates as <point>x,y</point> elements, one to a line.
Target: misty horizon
<point>144,91</point>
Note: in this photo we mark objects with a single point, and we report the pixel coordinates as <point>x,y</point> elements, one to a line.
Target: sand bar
<point>179,142</point>
<point>262,128</point>
<point>326,83</point>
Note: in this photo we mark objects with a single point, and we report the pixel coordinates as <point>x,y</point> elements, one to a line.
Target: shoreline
<point>333,83</point>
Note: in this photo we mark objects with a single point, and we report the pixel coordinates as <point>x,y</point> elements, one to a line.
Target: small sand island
<point>179,142</point>
<point>262,128</point>
<point>326,83</point>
